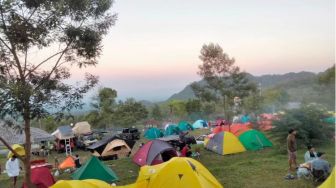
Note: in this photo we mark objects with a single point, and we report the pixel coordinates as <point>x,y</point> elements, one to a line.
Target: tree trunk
<point>26,161</point>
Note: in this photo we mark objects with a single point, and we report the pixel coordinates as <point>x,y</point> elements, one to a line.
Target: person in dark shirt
<point>77,162</point>
<point>291,149</point>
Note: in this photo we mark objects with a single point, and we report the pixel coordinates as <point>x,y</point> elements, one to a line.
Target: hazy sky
<point>152,51</point>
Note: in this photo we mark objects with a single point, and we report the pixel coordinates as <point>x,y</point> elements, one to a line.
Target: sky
<point>152,51</point>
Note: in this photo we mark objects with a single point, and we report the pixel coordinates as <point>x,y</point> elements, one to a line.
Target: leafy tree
<point>177,108</point>
<point>193,106</point>
<point>328,77</point>
<point>70,29</point>
<point>223,79</point>
<point>156,113</point>
<point>129,112</point>
<point>275,98</point>
<point>104,105</point>
<point>307,121</point>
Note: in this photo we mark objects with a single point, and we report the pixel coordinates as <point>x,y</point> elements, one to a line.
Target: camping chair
<point>197,153</point>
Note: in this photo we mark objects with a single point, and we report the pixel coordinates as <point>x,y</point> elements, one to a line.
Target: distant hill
<point>266,81</point>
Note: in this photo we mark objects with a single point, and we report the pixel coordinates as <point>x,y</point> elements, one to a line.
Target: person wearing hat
<point>320,164</point>
<point>13,169</point>
<point>310,154</point>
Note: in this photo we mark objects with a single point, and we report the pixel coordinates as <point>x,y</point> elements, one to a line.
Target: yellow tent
<point>225,143</point>
<point>178,172</point>
<point>330,182</point>
<point>89,183</point>
<point>18,149</point>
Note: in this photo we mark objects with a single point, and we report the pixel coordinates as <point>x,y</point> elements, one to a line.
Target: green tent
<point>95,169</point>
<point>254,140</point>
<point>185,126</point>
<point>172,130</point>
<point>153,133</point>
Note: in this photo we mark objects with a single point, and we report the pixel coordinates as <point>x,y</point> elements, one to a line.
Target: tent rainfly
<point>63,132</point>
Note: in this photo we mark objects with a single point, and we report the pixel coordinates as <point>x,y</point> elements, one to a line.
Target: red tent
<point>154,152</point>
<point>41,177</point>
<point>238,129</point>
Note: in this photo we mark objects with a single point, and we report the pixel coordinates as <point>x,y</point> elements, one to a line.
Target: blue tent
<point>199,124</point>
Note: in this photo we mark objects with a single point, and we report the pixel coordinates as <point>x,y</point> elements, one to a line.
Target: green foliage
<point>327,77</point>
<point>193,106</point>
<point>177,108</point>
<point>129,112</point>
<point>308,123</point>
<point>156,113</point>
<point>276,98</point>
<point>223,80</point>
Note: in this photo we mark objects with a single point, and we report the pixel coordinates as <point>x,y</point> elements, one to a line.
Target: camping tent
<point>100,146</point>
<point>18,149</point>
<point>179,172</point>
<point>225,143</point>
<point>63,132</point>
<point>89,183</point>
<point>68,162</point>
<point>95,169</point>
<point>153,133</point>
<point>39,135</point>
<point>199,124</point>
<point>116,147</point>
<point>185,126</point>
<point>154,152</point>
<point>330,181</point>
<point>254,140</point>
<point>82,128</point>
<point>239,128</point>
<point>41,177</point>
<point>172,130</point>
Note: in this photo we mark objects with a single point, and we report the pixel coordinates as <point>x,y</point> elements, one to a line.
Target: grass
<point>253,169</point>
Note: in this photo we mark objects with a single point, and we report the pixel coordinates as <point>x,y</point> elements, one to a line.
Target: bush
<point>309,124</point>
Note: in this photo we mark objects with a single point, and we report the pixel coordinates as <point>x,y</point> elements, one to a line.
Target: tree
<point>72,30</point>
<point>223,80</point>
<point>177,108</point>
<point>275,99</point>
<point>327,77</point>
<point>156,113</point>
<point>103,105</point>
<point>129,112</point>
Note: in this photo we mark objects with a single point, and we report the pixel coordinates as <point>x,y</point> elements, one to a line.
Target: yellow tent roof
<point>81,128</point>
<point>178,172</point>
<point>18,149</point>
<point>330,182</point>
<point>113,144</point>
<point>225,143</point>
<point>89,183</point>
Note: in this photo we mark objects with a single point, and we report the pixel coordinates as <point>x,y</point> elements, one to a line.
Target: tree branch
<point>10,148</point>
<point>44,61</point>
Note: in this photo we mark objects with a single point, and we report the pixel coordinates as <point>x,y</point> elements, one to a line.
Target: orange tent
<point>217,129</point>
<point>69,162</point>
<point>238,129</point>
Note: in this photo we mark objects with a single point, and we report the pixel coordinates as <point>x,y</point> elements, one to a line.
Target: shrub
<point>307,120</point>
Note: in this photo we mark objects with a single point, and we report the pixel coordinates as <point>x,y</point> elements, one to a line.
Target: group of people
<point>315,165</point>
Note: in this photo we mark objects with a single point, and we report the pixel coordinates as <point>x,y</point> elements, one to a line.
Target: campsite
<point>167,94</point>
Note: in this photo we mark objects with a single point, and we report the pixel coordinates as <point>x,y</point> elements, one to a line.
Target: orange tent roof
<point>238,129</point>
<point>67,163</point>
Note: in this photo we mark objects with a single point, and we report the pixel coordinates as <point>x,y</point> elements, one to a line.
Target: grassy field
<point>253,169</point>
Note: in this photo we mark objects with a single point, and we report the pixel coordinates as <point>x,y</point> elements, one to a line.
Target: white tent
<point>81,128</point>
<point>63,132</point>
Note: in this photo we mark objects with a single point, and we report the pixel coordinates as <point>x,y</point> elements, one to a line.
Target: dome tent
<point>254,140</point>
<point>225,143</point>
<point>185,126</point>
<point>153,133</point>
<point>199,124</point>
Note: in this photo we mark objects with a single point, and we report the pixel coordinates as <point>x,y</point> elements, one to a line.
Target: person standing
<point>77,161</point>
<point>291,149</point>
<point>13,169</point>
